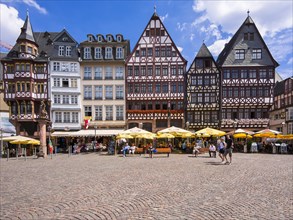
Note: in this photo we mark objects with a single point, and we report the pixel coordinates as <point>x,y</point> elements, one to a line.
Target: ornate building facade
<point>26,87</point>
<point>103,80</point>
<point>155,76</point>
<point>248,73</point>
<point>203,91</point>
<point>64,89</point>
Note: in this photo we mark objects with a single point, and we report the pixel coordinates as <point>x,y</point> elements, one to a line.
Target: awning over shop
<point>87,133</point>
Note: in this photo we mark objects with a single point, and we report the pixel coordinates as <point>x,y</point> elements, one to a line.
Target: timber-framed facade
<point>155,76</point>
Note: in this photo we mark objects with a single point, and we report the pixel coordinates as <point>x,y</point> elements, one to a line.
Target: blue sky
<point>188,22</point>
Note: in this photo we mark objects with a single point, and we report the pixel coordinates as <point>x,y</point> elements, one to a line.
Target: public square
<point>95,186</point>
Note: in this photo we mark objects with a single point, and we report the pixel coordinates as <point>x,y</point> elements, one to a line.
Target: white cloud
<point>218,46</point>
<point>164,17</point>
<point>211,30</point>
<point>192,37</point>
<point>35,5</point>
<point>231,14</point>
<point>290,61</point>
<point>181,26</point>
<point>9,31</point>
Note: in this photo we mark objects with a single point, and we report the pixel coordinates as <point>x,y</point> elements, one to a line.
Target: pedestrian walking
<point>221,149</point>
<point>229,149</point>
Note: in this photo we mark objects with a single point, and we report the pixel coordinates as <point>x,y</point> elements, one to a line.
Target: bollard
<point>7,154</point>
<point>16,153</point>
<point>25,154</point>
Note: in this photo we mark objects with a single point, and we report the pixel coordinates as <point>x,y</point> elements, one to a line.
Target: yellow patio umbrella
<point>34,142</point>
<point>177,132</point>
<point>146,136</point>
<point>188,135</point>
<point>202,135</point>
<point>135,131</point>
<point>267,133</point>
<point>164,135</point>
<point>242,135</point>
<point>124,136</point>
<point>210,131</point>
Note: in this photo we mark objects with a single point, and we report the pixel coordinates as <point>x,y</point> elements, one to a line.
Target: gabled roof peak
<point>204,52</point>
<point>27,31</point>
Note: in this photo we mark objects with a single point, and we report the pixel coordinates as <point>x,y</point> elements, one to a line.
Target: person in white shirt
<point>212,150</point>
<point>132,149</point>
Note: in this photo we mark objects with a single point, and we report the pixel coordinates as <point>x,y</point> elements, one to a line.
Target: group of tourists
<point>224,147</point>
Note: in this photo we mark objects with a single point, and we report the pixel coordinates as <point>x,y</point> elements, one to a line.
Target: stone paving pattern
<point>93,186</point>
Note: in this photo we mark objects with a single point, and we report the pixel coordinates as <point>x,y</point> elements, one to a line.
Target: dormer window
<point>100,39</point>
<point>119,38</point>
<point>249,36</point>
<point>119,53</point>
<point>109,38</point>
<point>90,38</point>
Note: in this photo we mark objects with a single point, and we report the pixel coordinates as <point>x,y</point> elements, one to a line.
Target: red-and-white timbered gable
<point>155,73</point>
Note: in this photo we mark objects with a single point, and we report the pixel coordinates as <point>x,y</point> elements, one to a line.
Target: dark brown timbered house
<point>25,76</point>
<point>203,91</point>
<point>155,72</point>
<point>248,73</point>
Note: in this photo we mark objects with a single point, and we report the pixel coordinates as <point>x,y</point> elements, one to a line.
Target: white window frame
<point>68,51</point>
<point>108,53</point>
<point>61,51</point>
<point>87,72</point>
<point>58,117</point>
<point>66,117</point>
<point>65,99</point>
<point>98,72</point>
<point>73,83</point>
<point>74,99</point>
<point>56,82</point>
<point>119,92</point>
<point>109,92</point>
<point>87,53</point>
<point>119,73</point>
<point>119,53</point>
<point>57,99</point>
<point>99,92</point>
<point>75,118</point>
<point>119,112</point>
<point>98,112</point>
<point>98,53</point>
<point>87,92</point>
<point>109,112</point>
<point>108,72</point>
<point>56,66</point>
<point>239,54</point>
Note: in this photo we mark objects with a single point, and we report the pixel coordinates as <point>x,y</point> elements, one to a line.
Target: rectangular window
<point>87,110</point>
<point>150,88</point>
<point>180,87</point>
<point>56,82</point>
<point>87,92</point>
<point>165,88</point>
<point>58,117</point>
<point>73,83</point>
<point>87,53</point>
<point>87,73</point>
<point>158,70</point>
<point>143,52</point>
<point>173,70</point>
<point>165,70</point>
<point>150,71</point>
<point>119,53</point>
<point>119,73</point>
<point>66,117</point>
<point>109,72</point>
<point>136,70</point>
<point>109,92</point>
<point>109,54</point>
<point>143,70</point>
<point>150,52</point>
<point>256,54</point>
<point>180,70</point>
<point>65,99</point>
<point>243,74</point>
<point>98,53</point>
<point>130,71</point>
<point>98,92</point>
<point>61,51</point>
<point>119,113</point>
<point>143,88</point>
<point>199,98</point>
<point>73,67</point>
<point>173,88</point>
<point>119,92</point>
<point>74,99</point>
<point>75,117</point>
<point>68,51</point>
<point>252,74</point>
<point>65,82</point>
<point>98,73</point>
<point>109,112</point>
<point>56,66</point>
<point>157,51</point>
<point>57,99</point>
<point>98,113</point>
<point>239,54</point>
<point>262,73</point>
<point>158,88</point>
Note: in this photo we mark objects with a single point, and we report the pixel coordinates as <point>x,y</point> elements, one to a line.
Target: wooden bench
<point>164,150</point>
<point>203,150</point>
<point>139,150</point>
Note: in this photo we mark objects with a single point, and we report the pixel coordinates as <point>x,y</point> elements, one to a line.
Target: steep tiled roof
<point>203,52</point>
<point>26,31</point>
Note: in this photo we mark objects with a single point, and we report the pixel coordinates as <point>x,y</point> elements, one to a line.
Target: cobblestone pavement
<point>93,186</point>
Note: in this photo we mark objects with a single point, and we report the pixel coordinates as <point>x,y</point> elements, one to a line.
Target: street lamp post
<point>69,147</point>
<point>1,147</point>
<point>95,141</point>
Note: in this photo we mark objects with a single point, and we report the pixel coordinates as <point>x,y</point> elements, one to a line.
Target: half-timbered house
<point>248,73</point>
<point>155,73</point>
<point>203,91</point>
<point>26,85</point>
